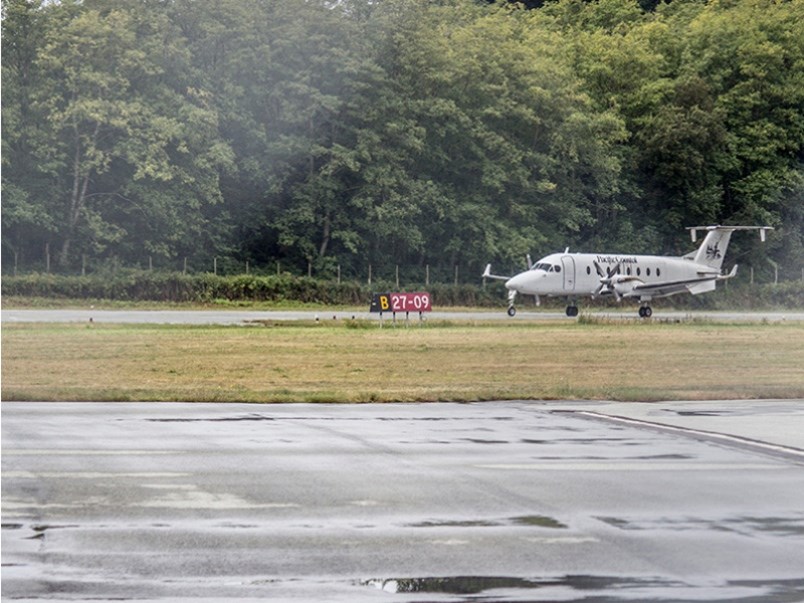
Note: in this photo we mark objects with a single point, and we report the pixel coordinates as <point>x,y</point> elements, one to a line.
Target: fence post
<point>47,257</point>
<point>397,276</point>
<point>309,269</point>
<point>427,275</point>
<point>369,276</point>
<point>339,274</point>
<point>277,268</point>
<point>246,266</point>
<point>215,265</point>
<point>184,271</point>
<point>775,271</point>
<point>83,264</point>
<point>456,275</point>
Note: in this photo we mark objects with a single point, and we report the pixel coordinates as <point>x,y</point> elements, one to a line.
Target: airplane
<point>644,277</point>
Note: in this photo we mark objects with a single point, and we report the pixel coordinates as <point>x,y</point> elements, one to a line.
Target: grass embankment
<point>303,362</point>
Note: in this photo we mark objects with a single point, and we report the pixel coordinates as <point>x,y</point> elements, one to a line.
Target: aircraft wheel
<point>645,312</point>
<point>572,311</point>
<point>511,311</point>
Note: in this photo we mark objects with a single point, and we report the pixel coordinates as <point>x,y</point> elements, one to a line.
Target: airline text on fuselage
<point>616,259</point>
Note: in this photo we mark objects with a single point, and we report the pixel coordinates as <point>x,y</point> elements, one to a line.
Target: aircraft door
<point>568,270</point>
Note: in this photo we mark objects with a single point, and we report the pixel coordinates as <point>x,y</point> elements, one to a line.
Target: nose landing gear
<point>511,298</point>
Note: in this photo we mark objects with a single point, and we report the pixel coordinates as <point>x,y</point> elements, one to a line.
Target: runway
<point>245,317</point>
<point>503,501</point>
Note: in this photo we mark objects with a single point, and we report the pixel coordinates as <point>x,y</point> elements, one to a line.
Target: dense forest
<point>340,133</point>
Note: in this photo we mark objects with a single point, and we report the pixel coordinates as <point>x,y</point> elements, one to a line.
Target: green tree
<point>28,172</point>
<point>132,158</point>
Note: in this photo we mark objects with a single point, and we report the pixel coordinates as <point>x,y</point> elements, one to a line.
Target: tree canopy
<point>396,132</point>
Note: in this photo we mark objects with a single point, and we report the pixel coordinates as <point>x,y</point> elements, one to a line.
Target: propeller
<point>606,280</point>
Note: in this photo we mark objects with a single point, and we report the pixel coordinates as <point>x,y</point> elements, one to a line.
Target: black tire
<point>511,311</point>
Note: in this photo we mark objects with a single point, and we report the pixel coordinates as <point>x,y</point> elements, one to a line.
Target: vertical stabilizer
<point>713,249</point>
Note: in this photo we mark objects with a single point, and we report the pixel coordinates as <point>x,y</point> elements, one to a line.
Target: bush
<point>176,287</point>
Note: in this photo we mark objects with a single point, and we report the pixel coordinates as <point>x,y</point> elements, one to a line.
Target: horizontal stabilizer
<point>763,230</point>
<point>487,274</point>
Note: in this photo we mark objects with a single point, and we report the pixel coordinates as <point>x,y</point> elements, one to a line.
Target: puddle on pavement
<point>700,413</point>
<point>746,526</point>
<point>602,589</point>
<point>257,417</point>
<point>468,523</point>
<point>213,420</point>
<point>540,521</point>
<point>593,441</point>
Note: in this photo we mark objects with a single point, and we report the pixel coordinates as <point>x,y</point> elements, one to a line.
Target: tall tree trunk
<point>78,195</point>
<point>325,236</point>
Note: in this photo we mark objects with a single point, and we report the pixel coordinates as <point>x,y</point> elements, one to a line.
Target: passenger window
<point>658,272</point>
<point>628,271</point>
<point>639,272</point>
<point>647,271</point>
<point>557,268</point>
<point>588,270</point>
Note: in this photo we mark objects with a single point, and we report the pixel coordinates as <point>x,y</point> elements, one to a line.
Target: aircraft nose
<point>515,282</point>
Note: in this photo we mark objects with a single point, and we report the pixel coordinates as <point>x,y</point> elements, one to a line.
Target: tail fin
<point>713,249</point>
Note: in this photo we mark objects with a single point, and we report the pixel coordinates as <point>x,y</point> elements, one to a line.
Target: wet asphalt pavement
<point>509,501</point>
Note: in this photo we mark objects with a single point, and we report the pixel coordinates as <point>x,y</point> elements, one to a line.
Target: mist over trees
<point>396,132</point>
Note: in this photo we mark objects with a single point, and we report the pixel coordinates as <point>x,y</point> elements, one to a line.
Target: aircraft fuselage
<point>575,274</point>
<point>642,277</point>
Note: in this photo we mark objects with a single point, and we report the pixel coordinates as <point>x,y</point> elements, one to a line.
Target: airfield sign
<point>401,302</point>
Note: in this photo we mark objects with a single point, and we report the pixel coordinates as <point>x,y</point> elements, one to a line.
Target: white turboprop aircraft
<point>643,277</point>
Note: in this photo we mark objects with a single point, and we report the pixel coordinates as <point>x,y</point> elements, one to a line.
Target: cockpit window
<point>546,267</point>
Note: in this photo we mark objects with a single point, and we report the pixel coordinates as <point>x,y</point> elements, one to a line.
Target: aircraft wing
<point>694,285</point>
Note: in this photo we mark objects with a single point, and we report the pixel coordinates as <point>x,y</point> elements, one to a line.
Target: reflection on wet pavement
<point>746,526</point>
<point>540,521</point>
<point>589,589</point>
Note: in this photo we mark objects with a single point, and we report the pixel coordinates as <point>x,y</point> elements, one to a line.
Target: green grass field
<point>359,362</point>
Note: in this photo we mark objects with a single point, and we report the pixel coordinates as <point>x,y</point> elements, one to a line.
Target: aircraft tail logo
<point>713,252</point>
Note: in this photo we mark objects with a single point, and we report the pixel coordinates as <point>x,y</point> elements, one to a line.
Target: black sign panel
<point>400,302</point>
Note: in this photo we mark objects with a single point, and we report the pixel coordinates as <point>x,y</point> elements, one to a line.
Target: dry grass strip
<point>303,362</point>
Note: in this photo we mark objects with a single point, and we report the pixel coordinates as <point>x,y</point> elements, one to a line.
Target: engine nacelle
<point>624,285</point>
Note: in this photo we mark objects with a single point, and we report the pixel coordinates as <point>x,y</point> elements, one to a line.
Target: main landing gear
<point>572,310</point>
<point>645,311</point>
